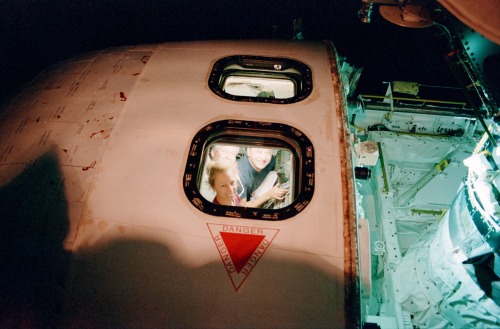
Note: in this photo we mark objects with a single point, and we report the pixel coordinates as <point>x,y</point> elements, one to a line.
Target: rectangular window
<point>265,87</point>
<point>262,176</point>
<point>249,169</point>
<point>246,78</point>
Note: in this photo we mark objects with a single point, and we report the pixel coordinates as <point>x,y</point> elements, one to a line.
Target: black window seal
<point>247,131</point>
<point>261,66</point>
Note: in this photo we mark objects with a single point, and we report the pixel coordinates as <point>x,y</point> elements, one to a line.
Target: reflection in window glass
<point>247,175</point>
<point>247,78</point>
<point>259,87</point>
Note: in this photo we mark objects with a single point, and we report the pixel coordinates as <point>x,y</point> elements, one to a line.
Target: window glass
<point>261,79</point>
<point>266,172</point>
<point>263,176</point>
<point>259,87</point>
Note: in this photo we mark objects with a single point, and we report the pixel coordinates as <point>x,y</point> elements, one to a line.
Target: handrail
<point>423,101</point>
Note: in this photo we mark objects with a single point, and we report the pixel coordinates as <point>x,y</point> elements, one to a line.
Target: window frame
<point>260,66</point>
<point>251,133</point>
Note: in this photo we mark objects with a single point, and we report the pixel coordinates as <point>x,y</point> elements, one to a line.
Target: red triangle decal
<point>240,248</point>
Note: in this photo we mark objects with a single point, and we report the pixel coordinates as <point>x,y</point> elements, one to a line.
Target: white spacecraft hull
<point>117,126</point>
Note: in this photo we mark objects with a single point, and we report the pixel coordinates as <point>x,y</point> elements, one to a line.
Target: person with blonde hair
<point>217,152</point>
<point>223,179</point>
<point>224,152</point>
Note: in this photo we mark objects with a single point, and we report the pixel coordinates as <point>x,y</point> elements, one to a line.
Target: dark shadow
<point>485,270</point>
<point>141,284</point>
<point>33,264</point>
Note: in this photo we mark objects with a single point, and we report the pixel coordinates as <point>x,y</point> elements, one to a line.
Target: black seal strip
<point>248,131</point>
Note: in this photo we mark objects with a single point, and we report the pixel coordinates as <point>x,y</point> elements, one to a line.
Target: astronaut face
<point>224,153</point>
<point>259,158</point>
<point>225,187</point>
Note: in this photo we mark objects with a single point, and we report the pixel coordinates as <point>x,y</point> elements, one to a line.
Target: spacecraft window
<point>266,170</point>
<point>261,79</point>
<point>261,87</point>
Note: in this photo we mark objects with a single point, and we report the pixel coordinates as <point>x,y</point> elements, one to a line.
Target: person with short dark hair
<point>256,168</point>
